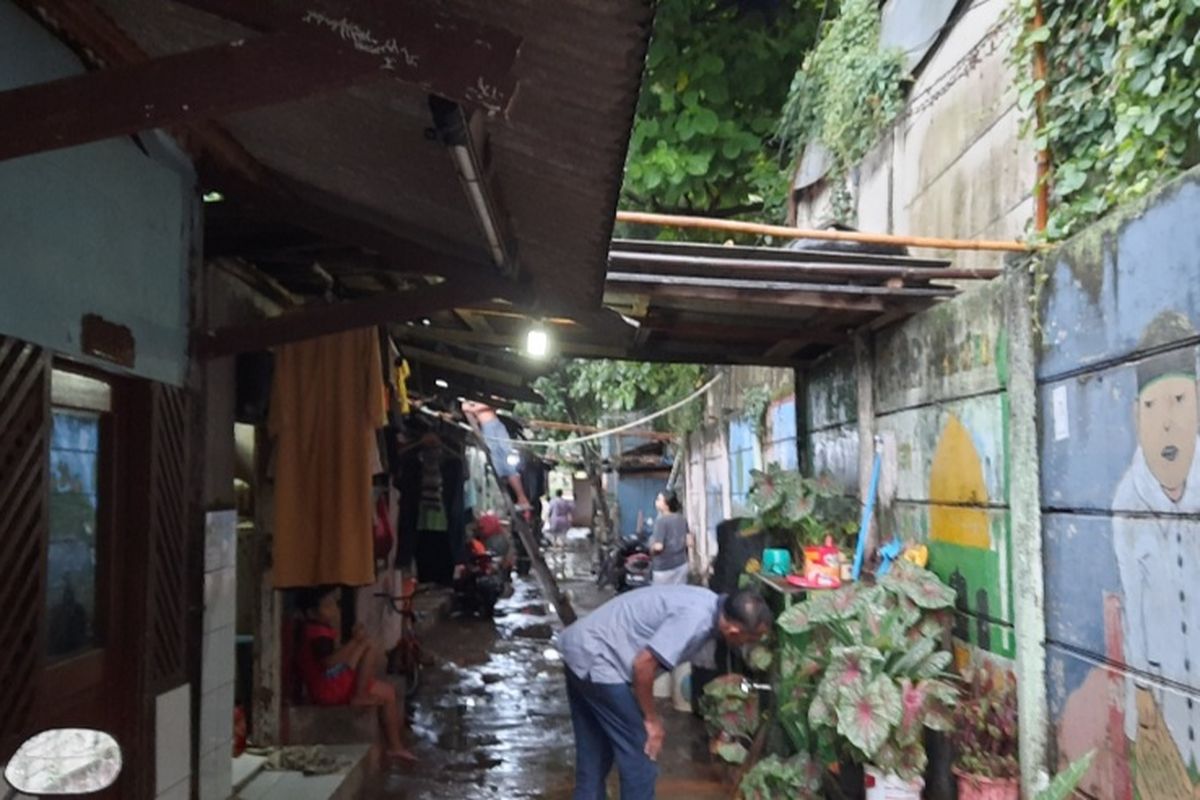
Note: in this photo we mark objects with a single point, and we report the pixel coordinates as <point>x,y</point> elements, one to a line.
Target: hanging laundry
<point>326,402</point>
<point>402,373</point>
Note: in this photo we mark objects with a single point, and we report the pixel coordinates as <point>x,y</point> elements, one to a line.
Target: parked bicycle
<point>406,658</point>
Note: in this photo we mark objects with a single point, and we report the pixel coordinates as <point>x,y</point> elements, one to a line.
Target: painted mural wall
<point>1121,496</point>
<point>941,408</point>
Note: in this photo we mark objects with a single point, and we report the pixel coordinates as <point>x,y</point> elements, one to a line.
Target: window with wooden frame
<point>82,505</point>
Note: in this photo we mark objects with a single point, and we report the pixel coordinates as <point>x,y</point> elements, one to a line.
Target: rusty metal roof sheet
<point>557,154</point>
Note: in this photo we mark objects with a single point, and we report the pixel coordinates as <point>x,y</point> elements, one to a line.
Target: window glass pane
<point>782,427</point>
<point>741,462</point>
<point>71,573</point>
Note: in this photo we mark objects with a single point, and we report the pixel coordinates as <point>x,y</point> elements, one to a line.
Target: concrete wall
<point>1121,495</point>
<point>941,407</point>
<point>953,163</point>
<point>99,229</point>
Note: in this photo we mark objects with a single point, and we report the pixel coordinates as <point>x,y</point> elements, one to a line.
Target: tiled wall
<point>173,744</point>
<point>217,676</point>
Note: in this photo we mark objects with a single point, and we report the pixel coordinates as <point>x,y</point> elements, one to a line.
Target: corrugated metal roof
<point>557,154</point>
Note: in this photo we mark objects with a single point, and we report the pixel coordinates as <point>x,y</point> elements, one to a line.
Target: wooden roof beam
<point>175,89</point>
<point>311,53</point>
<point>410,40</point>
<point>507,377</point>
<point>318,319</point>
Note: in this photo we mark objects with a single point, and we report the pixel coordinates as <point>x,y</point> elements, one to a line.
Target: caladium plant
<point>731,711</point>
<point>985,723</point>
<point>798,777</point>
<point>805,510</point>
<point>863,673</point>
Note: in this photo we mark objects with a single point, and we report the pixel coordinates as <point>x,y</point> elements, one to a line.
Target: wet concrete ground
<point>491,720</point>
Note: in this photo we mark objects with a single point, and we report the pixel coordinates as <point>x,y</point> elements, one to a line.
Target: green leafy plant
<point>755,402</point>
<point>865,673</point>
<point>805,510</point>
<point>1122,100</point>
<point>716,77</point>
<point>798,777</point>
<point>985,723</point>
<point>1064,783</point>
<point>731,711</point>
<point>844,96</point>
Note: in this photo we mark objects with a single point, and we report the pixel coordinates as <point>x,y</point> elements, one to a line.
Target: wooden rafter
<point>313,53</point>
<point>322,319</point>
<point>410,40</point>
<point>508,377</point>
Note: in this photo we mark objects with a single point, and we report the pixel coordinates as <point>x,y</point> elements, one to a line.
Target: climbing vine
<point>755,403</point>
<point>1122,110</point>
<point>846,93</point>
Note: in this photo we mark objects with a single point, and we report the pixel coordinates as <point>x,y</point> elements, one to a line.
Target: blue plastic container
<point>777,561</point>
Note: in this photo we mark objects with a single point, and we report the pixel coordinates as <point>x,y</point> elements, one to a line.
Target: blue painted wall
<point>103,228</point>
<point>1121,496</point>
<point>637,492</point>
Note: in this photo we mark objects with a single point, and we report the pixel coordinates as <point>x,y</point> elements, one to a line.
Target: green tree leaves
<point>716,78</point>
<point>584,391</point>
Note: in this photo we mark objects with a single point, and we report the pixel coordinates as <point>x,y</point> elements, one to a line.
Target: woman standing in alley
<point>669,542</point>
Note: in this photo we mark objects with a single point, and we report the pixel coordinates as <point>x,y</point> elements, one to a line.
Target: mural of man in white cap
<point>1158,553</point>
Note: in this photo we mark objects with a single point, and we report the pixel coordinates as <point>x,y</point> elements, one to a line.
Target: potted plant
<point>985,735</point>
<point>797,777</point>
<point>864,674</point>
<point>731,712</point>
<point>800,512</point>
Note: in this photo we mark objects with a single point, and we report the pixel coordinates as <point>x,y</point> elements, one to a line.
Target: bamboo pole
<point>784,232</point>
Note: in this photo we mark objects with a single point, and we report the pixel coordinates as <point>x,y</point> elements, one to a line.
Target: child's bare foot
<point>402,754</point>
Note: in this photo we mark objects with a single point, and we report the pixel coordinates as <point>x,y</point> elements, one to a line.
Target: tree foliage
<point>1122,109</point>
<point>716,77</point>
<point>585,391</point>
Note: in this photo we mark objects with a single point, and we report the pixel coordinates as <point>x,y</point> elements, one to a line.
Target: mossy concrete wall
<point>941,406</point>
<point>1120,311</point>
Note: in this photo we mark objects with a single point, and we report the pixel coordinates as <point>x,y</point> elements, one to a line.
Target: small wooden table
<point>779,584</point>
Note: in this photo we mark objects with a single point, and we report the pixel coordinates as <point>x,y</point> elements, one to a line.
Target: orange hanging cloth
<point>326,403</point>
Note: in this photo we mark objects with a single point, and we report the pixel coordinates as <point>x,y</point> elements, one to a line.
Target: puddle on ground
<point>491,719</point>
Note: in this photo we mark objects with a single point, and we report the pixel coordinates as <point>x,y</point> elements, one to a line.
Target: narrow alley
<point>491,720</point>
<point>428,399</point>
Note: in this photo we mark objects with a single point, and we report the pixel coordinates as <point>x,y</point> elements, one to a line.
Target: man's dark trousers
<point>609,726</point>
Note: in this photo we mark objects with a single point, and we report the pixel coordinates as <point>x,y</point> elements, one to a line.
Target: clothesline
<point>592,436</point>
<point>637,423</point>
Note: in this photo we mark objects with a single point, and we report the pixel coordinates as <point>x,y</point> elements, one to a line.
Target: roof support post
<point>864,374</point>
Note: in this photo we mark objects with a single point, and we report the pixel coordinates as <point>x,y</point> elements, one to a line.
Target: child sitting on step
<point>336,675</point>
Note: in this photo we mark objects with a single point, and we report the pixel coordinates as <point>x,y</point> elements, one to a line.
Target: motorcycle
<point>67,761</point>
<point>626,564</point>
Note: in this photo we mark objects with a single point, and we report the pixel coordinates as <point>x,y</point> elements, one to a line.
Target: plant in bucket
<point>985,735</point>
<point>808,516</point>
<point>864,675</point>
<point>731,711</point>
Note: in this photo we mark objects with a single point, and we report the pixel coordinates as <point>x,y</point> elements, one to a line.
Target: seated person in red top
<point>344,675</point>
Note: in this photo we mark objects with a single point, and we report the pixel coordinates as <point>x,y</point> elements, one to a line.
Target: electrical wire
<point>612,431</point>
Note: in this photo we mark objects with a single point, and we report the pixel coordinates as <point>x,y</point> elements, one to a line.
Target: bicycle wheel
<point>412,679</point>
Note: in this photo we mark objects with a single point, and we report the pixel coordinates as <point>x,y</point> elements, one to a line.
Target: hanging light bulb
<point>537,342</point>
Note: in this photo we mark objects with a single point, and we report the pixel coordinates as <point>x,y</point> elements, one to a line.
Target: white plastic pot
<point>890,787</point>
